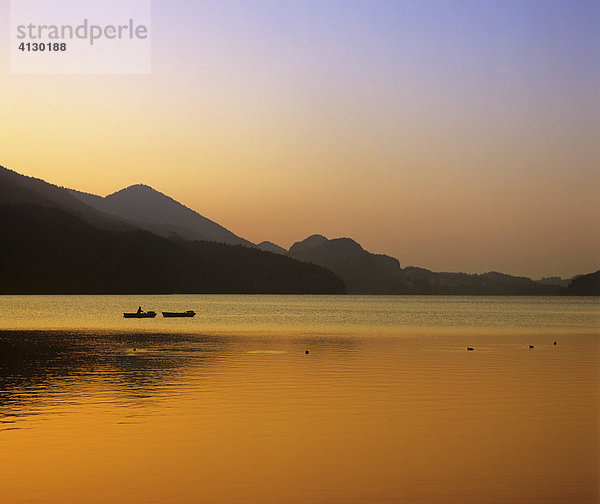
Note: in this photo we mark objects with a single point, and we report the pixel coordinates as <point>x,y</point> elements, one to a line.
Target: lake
<point>387,406</point>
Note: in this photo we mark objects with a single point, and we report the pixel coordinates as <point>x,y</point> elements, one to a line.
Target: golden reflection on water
<point>120,417</point>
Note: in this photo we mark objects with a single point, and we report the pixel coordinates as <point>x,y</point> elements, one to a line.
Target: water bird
<point>470,348</point>
<point>531,346</point>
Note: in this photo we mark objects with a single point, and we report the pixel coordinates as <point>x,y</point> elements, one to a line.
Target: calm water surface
<point>387,407</point>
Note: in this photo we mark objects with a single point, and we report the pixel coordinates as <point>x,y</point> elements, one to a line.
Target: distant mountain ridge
<point>119,218</point>
<point>161,214</point>
<point>367,273</point>
<point>563,282</point>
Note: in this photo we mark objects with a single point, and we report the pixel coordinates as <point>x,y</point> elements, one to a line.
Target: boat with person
<point>188,313</point>
<point>140,314</point>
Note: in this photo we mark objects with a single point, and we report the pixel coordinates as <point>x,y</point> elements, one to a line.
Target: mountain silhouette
<point>19,189</point>
<point>268,246</point>
<point>362,271</point>
<point>584,285</point>
<point>422,281</point>
<point>367,273</point>
<point>555,280</point>
<point>54,243</point>
<point>154,211</point>
<point>138,240</point>
<point>307,244</point>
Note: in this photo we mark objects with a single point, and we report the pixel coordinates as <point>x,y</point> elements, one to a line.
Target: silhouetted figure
<point>306,352</point>
<point>531,346</point>
<point>555,342</point>
<point>469,349</point>
<point>139,310</point>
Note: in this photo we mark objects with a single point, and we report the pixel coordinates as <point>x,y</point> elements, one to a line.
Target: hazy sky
<point>453,135</point>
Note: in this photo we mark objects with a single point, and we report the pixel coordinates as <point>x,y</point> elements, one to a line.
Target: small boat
<point>188,313</point>
<point>148,314</point>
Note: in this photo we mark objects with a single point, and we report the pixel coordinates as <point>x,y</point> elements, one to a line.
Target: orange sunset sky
<point>456,136</point>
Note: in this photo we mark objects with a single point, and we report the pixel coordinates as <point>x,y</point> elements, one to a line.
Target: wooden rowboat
<point>148,314</point>
<point>188,313</point>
